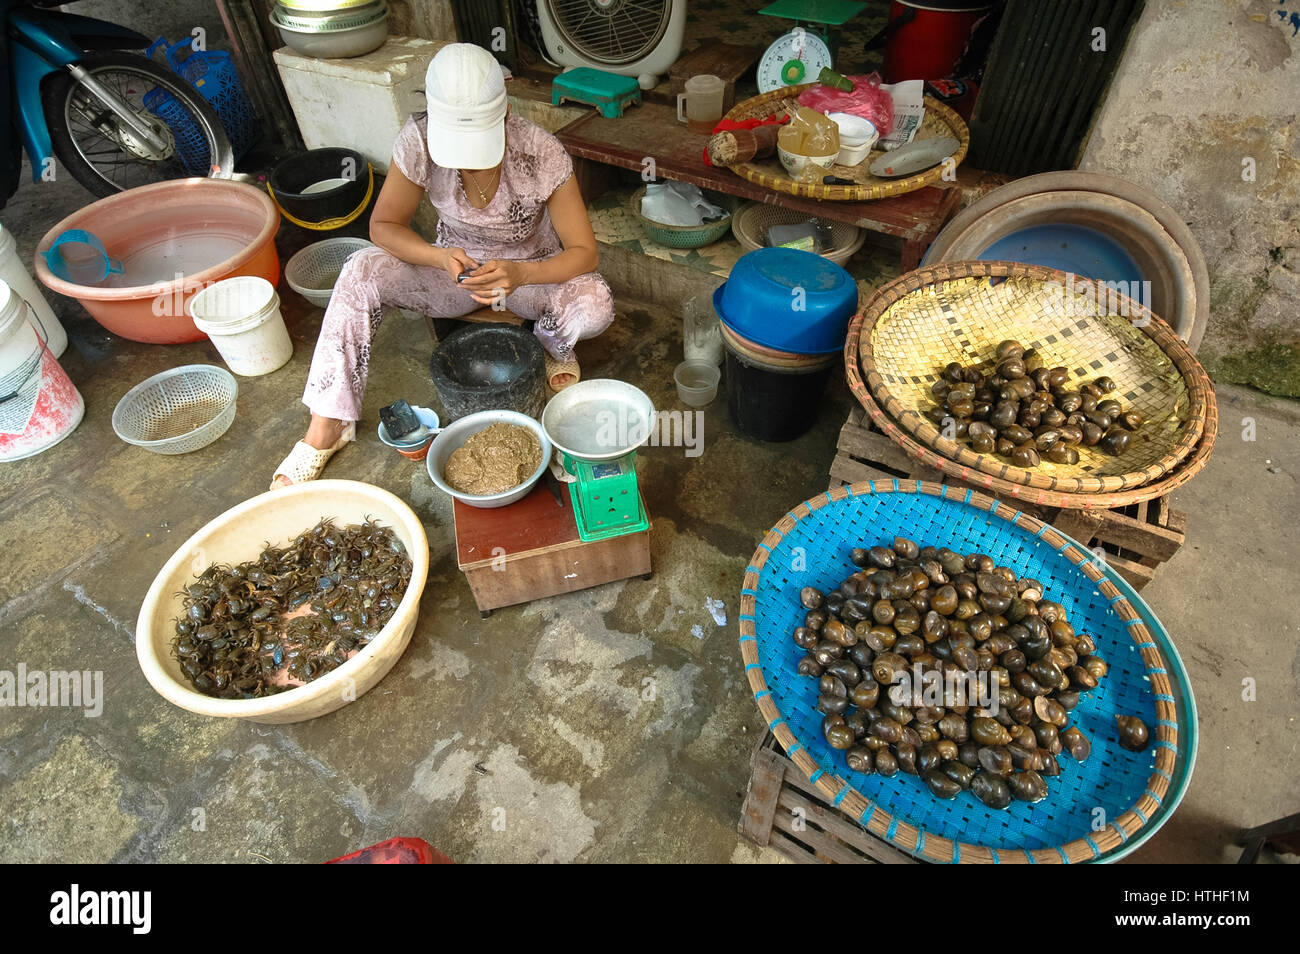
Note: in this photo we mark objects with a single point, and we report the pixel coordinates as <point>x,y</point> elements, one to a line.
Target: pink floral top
<point>514,224</point>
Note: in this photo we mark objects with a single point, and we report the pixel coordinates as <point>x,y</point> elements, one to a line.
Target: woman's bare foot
<point>322,434</point>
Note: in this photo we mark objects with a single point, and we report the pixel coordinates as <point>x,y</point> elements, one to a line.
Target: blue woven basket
<point>1100,809</point>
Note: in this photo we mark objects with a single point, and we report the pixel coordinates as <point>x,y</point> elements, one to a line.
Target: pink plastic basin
<point>174,239</point>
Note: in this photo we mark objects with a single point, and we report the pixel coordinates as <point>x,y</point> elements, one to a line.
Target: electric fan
<point>640,38</point>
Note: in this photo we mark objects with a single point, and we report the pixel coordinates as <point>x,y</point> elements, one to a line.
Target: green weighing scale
<point>800,55</point>
<point>596,427</point>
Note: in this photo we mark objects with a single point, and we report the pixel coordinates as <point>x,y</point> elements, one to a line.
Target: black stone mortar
<point>488,368</point>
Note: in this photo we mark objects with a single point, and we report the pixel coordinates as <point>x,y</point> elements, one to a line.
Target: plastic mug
<point>79,257</point>
<point>703,102</point>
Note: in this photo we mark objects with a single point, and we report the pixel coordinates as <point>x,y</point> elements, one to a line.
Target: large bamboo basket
<point>939,121</point>
<point>959,311</point>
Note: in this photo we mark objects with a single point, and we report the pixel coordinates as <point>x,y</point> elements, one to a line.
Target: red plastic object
<point>395,851</point>
<point>930,39</point>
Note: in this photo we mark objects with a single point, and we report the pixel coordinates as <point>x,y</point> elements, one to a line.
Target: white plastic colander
<point>312,271</point>
<point>177,411</point>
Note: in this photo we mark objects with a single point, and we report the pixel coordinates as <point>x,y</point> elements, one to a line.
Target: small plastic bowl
<point>697,382</point>
<point>419,449</point>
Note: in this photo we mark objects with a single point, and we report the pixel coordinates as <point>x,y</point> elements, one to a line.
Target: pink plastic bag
<point>867,100</point>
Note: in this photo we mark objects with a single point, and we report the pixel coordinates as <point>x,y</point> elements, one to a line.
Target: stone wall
<point>1202,111</point>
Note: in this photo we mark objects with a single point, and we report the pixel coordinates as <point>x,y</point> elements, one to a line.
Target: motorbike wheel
<point>88,137</point>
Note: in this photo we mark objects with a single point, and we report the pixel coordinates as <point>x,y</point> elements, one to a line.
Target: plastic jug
<point>703,102</point>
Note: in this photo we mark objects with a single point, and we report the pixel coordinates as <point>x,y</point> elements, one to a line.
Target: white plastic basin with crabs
<point>239,534</point>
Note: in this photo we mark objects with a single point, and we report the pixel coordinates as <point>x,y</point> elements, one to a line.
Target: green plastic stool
<point>606,497</point>
<point>608,92</point>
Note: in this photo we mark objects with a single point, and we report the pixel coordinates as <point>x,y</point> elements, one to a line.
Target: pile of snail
<point>1025,411</point>
<point>894,648</point>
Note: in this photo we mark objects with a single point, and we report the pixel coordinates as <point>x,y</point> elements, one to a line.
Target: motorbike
<point>76,97</point>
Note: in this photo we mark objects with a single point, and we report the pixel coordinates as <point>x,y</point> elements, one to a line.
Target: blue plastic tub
<point>788,299</point>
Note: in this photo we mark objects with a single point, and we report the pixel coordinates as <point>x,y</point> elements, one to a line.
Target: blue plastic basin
<point>787,299</point>
<point>1071,248</point>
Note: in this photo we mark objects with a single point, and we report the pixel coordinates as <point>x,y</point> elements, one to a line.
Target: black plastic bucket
<point>489,368</point>
<point>773,404</point>
<point>295,186</point>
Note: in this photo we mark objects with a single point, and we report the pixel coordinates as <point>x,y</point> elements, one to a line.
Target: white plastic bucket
<point>16,276</point>
<point>39,404</point>
<point>242,318</point>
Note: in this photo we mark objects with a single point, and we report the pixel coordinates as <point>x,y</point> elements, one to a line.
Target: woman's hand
<point>456,262</point>
<point>494,280</point>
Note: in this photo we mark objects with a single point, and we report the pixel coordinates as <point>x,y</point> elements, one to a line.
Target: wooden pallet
<point>785,811</point>
<point>1135,539</point>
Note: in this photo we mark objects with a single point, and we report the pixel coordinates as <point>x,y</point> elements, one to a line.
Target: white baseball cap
<point>466,94</point>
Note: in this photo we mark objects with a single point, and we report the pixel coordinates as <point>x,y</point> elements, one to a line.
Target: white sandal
<point>305,462</point>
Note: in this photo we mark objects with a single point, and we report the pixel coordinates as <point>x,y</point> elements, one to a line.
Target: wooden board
<point>1136,539</point>
<point>531,550</point>
<point>783,810</point>
<point>653,132</point>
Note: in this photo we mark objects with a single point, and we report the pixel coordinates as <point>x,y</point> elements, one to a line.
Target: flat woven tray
<point>959,311</point>
<point>938,121</point>
<point>1137,792</point>
<point>1031,495</point>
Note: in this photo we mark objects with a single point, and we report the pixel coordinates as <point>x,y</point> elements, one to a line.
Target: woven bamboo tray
<point>954,312</point>
<point>1137,792</point>
<point>1039,496</point>
<point>939,121</point>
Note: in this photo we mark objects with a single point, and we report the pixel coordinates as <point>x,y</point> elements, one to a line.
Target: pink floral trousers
<point>563,314</point>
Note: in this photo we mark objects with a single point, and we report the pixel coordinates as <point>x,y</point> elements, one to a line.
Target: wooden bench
<point>484,316</point>
<point>652,132</point>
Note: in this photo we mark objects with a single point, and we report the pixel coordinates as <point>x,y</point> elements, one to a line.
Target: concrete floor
<point>536,716</point>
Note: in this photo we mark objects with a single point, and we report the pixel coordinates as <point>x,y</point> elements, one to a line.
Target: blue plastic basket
<point>1135,792</point>
<point>212,73</point>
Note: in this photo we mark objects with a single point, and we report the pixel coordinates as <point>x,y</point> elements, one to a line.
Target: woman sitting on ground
<point>512,231</point>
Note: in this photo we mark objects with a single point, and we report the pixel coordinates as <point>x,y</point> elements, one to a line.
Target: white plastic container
<point>239,534</point>
<point>14,274</point>
<point>697,382</point>
<point>242,318</point>
<point>39,404</point>
<point>701,339</point>
<point>858,137</point>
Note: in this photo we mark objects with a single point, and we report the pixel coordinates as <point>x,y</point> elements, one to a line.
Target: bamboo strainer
<point>959,311</point>
<point>939,121</point>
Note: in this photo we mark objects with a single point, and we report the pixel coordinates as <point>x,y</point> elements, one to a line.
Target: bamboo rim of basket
<point>769,103</point>
<point>1200,390</point>
<point>1189,468</point>
<point>900,833</point>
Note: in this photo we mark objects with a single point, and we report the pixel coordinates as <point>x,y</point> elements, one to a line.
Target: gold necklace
<point>478,188</point>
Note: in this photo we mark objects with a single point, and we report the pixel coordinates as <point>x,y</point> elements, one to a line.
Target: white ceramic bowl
<point>806,168</point>
<point>454,435</point>
<point>239,534</point>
